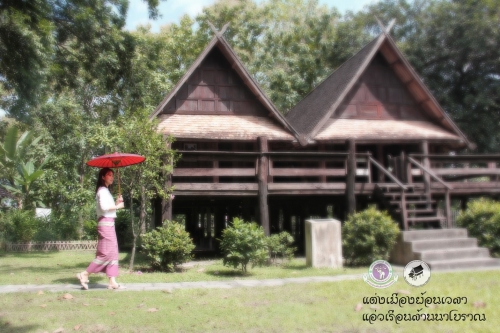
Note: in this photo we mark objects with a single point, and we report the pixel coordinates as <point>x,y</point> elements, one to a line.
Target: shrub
<point>167,246</point>
<point>90,230</point>
<point>122,227</point>
<point>243,243</point>
<point>280,246</point>
<point>482,220</point>
<point>19,225</point>
<point>368,236</point>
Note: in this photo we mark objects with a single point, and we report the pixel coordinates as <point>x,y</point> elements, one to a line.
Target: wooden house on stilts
<point>370,133</point>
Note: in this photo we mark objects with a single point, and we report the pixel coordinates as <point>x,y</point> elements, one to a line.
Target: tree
<point>146,181</point>
<point>289,46</point>
<point>43,43</point>
<point>19,174</point>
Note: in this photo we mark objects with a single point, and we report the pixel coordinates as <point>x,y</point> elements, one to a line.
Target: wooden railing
<point>447,186</point>
<point>462,168</point>
<point>52,246</point>
<point>283,166</point>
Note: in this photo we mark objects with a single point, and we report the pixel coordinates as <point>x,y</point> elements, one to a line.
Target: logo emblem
<point>380,275</point>
<point>417,273</point>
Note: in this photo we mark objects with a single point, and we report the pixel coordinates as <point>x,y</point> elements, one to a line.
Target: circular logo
<point>417,273</point>
<point>380,271</point>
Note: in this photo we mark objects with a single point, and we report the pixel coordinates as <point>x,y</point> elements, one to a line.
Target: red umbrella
<point>116,160</point>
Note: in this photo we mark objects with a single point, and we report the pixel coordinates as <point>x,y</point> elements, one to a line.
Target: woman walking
<point>106,259</point>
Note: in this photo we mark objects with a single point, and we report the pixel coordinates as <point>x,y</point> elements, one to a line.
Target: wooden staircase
<point>409,207</point>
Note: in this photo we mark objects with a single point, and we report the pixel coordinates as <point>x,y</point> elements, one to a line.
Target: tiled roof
<point>319,102</point>
<point>361,129</point>
<point>221,127</point>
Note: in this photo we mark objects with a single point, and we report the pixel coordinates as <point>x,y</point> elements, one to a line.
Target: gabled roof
<point>220,42</point>
<point>311,114</point>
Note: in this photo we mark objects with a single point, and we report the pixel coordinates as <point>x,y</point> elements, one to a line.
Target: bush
<point>482,220</point>
<point>280,246</point>
<point>122,227</point>
<point>167,246</point>
<point>368,236</point>
<point>19,225</point>
<point>243,243</point>
<point>90,230</point>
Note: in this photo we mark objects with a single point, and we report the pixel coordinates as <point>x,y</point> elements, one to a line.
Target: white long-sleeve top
<point>105,203</point>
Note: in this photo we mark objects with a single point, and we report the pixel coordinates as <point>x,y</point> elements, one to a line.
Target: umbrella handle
<point>119,190</point>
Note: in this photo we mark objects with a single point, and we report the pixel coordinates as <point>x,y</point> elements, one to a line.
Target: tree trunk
<point>80,215</point>
<point>134,235</point>
<point>142,214</point>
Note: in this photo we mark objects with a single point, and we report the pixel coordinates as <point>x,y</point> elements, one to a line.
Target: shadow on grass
<point>7,327</point>
<point>295,267</point>
<point>7,269</point>
<point>228,273</point>
<point>28,255</point>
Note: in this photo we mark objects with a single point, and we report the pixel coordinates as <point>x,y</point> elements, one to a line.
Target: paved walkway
<point>169,287</point>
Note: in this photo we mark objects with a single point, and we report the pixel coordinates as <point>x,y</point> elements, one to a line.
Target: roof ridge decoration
<point>327,96</point>
<point>219,41</point>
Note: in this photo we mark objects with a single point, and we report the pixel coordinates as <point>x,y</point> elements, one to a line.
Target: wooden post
<point>166,204</point>
<point>262,179</point>
<point>322,164</point>
<point>351,177</point>
<point>404,215</point>
<point>448,208</point>
<point>402,161</point>
<point>492,166</point>
<point>380,159</point>
<point>426,176</point>
<point>215,165</point>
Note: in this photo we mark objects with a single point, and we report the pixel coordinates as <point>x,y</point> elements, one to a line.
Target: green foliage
<point>122,228</point>
<point>368,236</point>
<point>243,243</point>
<point>19,225</point>
<point>167,246</point>
<point>19,175</point>
<point>90,230</point>
<point>281,246</point>
<point>482,220</point>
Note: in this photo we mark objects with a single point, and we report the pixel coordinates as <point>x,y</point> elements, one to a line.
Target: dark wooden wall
<point>379,94</point>
<point>215,88</point>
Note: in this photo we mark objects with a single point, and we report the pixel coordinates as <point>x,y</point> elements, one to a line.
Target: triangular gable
<point>252,100</point>
<point>328,99</point>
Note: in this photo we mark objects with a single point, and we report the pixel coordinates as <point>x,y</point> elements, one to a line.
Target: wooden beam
<point>380,159</point>
<point>216,187</point>
<point>308,172</point>
<point>448,208</point>
<point>262,182</point>
<point>212,172</point>
<point>351,177</point>
<point>426,163</point>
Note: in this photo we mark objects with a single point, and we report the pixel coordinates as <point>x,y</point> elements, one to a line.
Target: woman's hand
<point>120,205</point>
<point>120,199</point>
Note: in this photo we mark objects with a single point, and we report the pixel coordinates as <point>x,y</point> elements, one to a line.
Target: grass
<point>61,267</point>
<point>314,307</point>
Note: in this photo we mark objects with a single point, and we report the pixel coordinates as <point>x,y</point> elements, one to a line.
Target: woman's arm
<point>106,202</point>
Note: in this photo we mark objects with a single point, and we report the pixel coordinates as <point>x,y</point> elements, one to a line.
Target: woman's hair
<point>100,181</point>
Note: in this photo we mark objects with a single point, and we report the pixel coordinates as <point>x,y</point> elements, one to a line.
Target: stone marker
<point>323,243</point>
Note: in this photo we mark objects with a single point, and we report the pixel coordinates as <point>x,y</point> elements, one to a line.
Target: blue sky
<point>173,10</point>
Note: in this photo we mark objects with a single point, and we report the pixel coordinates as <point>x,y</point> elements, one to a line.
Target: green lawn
<point>314,307</point>
<point>61,267</point>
